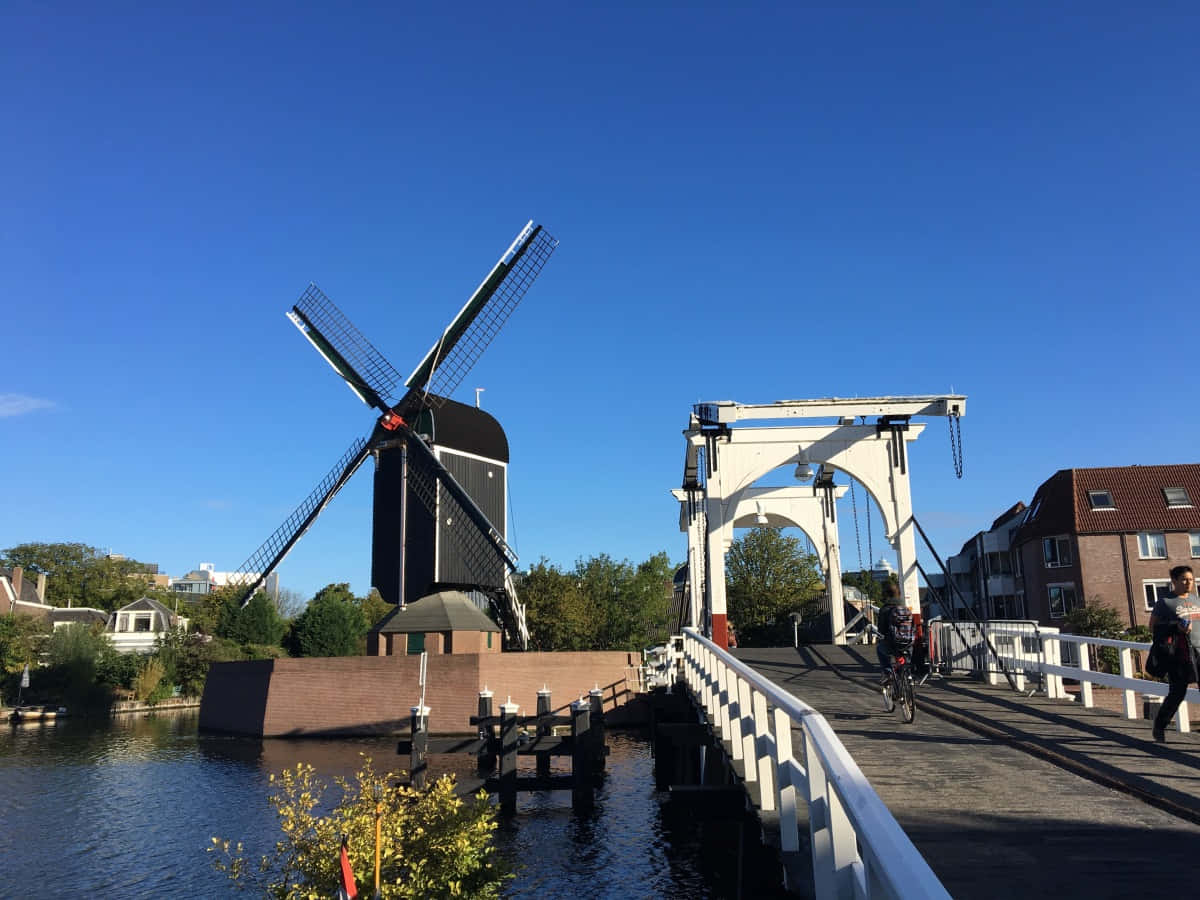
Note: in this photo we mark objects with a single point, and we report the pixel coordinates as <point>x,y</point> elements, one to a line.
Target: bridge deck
<point>1004,794</point>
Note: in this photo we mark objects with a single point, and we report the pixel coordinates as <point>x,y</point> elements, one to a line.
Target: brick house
<point>443,622</point>
<point>19,595</point>
<point>1107,535</point>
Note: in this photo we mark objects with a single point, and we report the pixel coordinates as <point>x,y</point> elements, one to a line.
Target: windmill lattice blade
<point>264,560</point>
<point>365,361</point>
<point>482,318</point>
<point>483,549</point>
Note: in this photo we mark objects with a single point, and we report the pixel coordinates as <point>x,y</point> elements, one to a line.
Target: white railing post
<point>1054,683</point>
<point>819,834</point>
<point>746,731</point>
<point>763,753</point>
<point>733,734</point>
<point>1129,695</point>
<point>991,672</point>
<point>845,853</point>
<point>723,695</point>
<point>785,765</point>
<point>1085,664</point>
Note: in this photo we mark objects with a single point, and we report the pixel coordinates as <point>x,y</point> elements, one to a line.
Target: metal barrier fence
<point>790,752</point>
<point>1047,656</point>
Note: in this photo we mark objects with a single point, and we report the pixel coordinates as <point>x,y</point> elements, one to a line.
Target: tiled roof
<point>1061,505</point>
<point>83,614</point>
<point>28,586</point>
<point>1137,493</point>
<point>443,611</point>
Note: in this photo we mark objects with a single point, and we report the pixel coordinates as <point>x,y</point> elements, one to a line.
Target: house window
<point>1194,537</point>
<point>1057,552</point>
<point>1101,500</point>
<point>1176,496</point>
<point>1152,545</point>
<point>142,624</point>
<point>1155,589</point>
<point>1062,599</point>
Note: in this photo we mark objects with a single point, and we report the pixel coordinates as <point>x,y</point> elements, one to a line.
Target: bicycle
<point>898,687</point>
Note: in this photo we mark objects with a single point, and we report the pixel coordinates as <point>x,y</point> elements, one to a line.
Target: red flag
<point>347,889</point>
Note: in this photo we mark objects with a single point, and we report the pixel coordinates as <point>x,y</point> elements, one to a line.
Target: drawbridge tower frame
<point>724,458</point>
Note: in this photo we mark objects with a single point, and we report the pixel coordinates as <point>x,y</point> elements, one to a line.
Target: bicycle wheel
<point>908,705</point>
<point>889,688</point>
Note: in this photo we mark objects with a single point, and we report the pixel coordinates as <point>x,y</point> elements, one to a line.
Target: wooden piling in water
<point>543,729</point>
<point>509,742</point>
<point>418,754</point>
<point>583,792</point>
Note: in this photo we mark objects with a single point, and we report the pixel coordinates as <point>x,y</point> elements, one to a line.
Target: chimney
<point>41,588</point>
<point>18,580</point>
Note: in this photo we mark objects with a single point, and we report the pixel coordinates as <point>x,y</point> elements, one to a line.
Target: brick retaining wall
<point>374,694</point>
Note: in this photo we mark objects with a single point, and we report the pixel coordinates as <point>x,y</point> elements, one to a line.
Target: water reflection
<point>126,808</point>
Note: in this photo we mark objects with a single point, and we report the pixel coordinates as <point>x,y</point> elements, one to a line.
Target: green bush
<point>434,843</point>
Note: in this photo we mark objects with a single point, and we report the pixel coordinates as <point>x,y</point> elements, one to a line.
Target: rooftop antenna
<point>478,391</point>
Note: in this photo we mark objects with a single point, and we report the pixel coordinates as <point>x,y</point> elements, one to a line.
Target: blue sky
<point>755,204</point>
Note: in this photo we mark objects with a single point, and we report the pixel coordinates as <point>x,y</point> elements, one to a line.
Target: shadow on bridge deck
<point>1006,794</point>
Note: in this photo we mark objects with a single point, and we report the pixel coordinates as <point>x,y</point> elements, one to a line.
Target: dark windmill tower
<point>440,485</point>
<point>470,444</point>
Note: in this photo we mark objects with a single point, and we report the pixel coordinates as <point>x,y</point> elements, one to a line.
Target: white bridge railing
<point>791,753</point>
<point>1029,649</point>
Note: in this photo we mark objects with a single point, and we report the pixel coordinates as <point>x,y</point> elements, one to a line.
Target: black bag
<point>1158,660</point>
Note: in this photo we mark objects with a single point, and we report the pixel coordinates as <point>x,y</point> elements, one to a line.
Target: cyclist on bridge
<point>896,629</point>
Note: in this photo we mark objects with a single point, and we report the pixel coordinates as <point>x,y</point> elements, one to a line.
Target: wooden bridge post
<point>508,757</point>
<point>543,729</point>
<point>596,727</point>
<point>487,754</point>
<point>582,789</point>
<point>417,767</point>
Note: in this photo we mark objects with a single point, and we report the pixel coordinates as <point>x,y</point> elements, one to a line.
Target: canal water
<point>126,808</point>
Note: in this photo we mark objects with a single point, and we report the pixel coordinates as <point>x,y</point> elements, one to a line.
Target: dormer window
<point>1101,500</point>
<point>1176,496</point>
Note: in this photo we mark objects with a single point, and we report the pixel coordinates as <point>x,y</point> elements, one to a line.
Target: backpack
<point>901,631</point>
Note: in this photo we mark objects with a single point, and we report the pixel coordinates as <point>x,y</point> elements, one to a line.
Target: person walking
<point>1171,622</point>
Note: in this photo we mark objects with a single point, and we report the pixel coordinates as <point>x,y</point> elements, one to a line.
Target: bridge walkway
<point>1006,795</point>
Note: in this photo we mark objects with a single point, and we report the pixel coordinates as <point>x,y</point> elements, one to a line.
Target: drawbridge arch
<point>724,459</point>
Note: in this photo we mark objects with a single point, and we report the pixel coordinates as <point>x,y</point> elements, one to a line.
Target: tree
<point>22,638</point>
<point>257,622</point>
<point>768,576</point>
<point>866,583</point>
<point>558,612</point>
<point>79,575</point>
<point>1095,619</point>
<point>73,653</point>
<point>331,625</point>
<point>434,843</point>
<point>374,608</point>
<point>601,605</point>
<point>185,659</point>
<point>289,603</point>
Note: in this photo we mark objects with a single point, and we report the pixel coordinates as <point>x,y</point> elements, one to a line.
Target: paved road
<point>1007,796</point>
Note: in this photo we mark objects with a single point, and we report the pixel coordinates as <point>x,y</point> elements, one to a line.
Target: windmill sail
<point>343,346</point>
<point>264,560</point>
<point>482,316</point>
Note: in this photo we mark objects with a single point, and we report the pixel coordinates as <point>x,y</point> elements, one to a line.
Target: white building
<point>204,580</point>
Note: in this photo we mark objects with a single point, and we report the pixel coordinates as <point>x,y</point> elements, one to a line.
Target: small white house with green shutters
<point>136,627</point>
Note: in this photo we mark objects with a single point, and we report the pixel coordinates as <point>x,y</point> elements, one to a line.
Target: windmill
<point>427,527</point>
